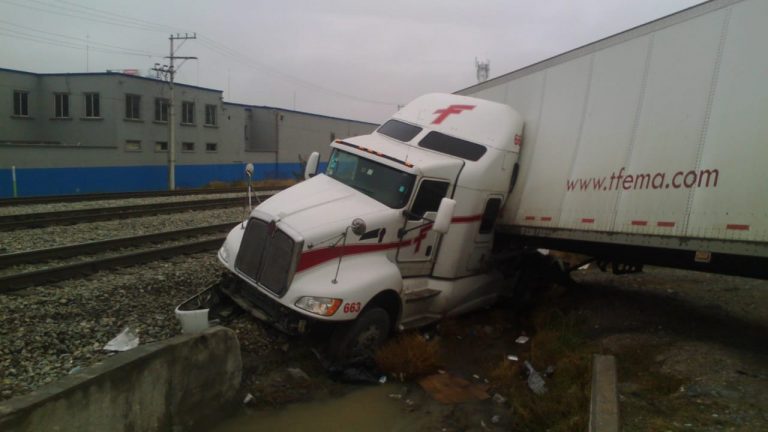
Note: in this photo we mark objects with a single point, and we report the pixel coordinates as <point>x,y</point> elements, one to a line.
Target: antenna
<point>483,69</point>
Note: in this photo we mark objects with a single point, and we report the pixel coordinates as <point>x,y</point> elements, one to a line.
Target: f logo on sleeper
<point>443,113</point>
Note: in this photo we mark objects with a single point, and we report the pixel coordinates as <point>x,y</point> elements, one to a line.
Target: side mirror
<point>311,168</point>
<point>444,215</point>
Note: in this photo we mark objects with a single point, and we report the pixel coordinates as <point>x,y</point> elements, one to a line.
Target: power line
<point>102,16</point>
<point>136,51</point>
<point>61,11</point>
<point>39,39</point>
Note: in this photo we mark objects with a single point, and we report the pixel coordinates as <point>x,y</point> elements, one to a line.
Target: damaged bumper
<point>264,308</point>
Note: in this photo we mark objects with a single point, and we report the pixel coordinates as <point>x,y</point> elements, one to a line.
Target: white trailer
<point>655,138</point>
<point>647,147</point>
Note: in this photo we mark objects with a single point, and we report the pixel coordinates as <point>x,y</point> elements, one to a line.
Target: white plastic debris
<point>124,341</point>
<point>535,382</point>
<point>522,339</point>
<point>248,399</point>
<point>512,357</point>
<point>382,379</point>
<point>499,399</point>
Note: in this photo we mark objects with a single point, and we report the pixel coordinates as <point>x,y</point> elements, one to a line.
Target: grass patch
<point>409,356</point>
<point>558,341</point>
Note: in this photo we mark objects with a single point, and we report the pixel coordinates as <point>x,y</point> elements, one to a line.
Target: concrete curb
<point>604,404</point>
<point>176,384</point>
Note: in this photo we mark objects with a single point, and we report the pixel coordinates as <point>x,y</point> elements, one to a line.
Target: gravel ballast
<point>54,330</point>
<point>83,205</point>
<point>30,239</point>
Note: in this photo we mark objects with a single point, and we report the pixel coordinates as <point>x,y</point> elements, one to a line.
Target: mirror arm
<point>403,231</point>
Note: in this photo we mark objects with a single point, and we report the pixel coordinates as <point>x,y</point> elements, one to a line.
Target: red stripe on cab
<point>587,220</point>
<point>466,219</point>
<point>639,222</point>
<point>665,224</point>
<point>315,257</point>
<point>737,227</point>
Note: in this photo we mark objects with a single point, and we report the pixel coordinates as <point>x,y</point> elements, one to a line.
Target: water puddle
<point>367,409</point>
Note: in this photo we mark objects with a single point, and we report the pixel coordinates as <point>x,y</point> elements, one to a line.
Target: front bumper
<point>263,307</point>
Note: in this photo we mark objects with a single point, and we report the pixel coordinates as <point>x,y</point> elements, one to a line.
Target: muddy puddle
<point>365,409</point>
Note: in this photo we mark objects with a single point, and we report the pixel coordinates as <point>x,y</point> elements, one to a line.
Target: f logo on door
<point>443,113</point>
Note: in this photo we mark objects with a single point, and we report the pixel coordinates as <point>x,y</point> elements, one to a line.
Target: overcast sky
<point>349,58</point>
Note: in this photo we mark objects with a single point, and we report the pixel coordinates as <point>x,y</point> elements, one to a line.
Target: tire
<point>361,338</point>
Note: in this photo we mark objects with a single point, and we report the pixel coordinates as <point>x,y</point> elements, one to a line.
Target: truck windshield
<point>387,185</point>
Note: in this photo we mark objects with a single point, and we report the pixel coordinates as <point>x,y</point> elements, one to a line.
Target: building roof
<point>298,112</point>
<point>111,73</point>
<point>107,73</point>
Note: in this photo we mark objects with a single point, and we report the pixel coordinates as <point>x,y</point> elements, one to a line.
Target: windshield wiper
<point>363,190</point>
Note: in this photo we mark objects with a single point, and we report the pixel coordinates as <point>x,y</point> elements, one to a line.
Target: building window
<point>133,146</point>
<point>20,103</point>
<point>133,107</point>
<point>211,147</point>
<point>61,105</point>
<point>161,146</point>
<point>161,110</point>
<point>92,105</point>
<point>187,146</point>
<point>188,112</point>
<point>210,115</point>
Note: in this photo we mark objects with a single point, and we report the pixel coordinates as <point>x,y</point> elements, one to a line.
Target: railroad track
<point>68,217</point>
<point>17,281</point>
<point>6,202</point>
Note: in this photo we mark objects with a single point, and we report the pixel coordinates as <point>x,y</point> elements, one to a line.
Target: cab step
<point>421,294</point>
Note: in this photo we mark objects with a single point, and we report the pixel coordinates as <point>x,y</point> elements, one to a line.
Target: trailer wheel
<point>360,338</point>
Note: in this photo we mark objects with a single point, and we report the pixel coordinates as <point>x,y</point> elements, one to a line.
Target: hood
<point>321,204</point>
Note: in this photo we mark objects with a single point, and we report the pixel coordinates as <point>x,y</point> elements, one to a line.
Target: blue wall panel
<point>65,181</point>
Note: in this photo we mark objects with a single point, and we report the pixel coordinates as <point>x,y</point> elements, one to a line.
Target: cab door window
<point>431,192</point>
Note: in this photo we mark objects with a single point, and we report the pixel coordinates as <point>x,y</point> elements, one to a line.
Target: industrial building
<point>108,132</point>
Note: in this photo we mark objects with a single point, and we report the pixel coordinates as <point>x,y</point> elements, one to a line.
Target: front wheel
<point>360,338</point>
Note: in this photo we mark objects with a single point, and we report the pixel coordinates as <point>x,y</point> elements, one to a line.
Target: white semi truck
<point>648,147</point>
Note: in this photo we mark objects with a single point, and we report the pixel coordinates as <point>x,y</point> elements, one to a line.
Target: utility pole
<point>170,72</point>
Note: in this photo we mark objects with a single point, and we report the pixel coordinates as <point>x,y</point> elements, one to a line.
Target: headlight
<point>223,254</point>
<point>319,305</point>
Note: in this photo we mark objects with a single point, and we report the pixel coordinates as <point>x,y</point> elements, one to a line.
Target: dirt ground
<point>691,353</point>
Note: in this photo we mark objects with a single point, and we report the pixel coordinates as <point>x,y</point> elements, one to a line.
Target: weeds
<point>409,356</point>
<point>559,342</point>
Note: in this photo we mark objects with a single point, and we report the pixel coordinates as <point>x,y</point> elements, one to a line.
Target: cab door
<point>418,248</point>
<point>479,258</point>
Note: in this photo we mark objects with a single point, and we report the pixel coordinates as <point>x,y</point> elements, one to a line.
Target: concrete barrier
<point>604,406</point>
<point>178,384</point>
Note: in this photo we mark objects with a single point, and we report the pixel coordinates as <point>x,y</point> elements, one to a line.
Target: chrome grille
<point>267,258</point>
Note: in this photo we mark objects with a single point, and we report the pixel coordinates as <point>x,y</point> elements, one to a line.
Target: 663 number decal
<point>351,307</point>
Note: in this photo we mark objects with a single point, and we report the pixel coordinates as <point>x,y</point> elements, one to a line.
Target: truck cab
<point>396,233</point>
